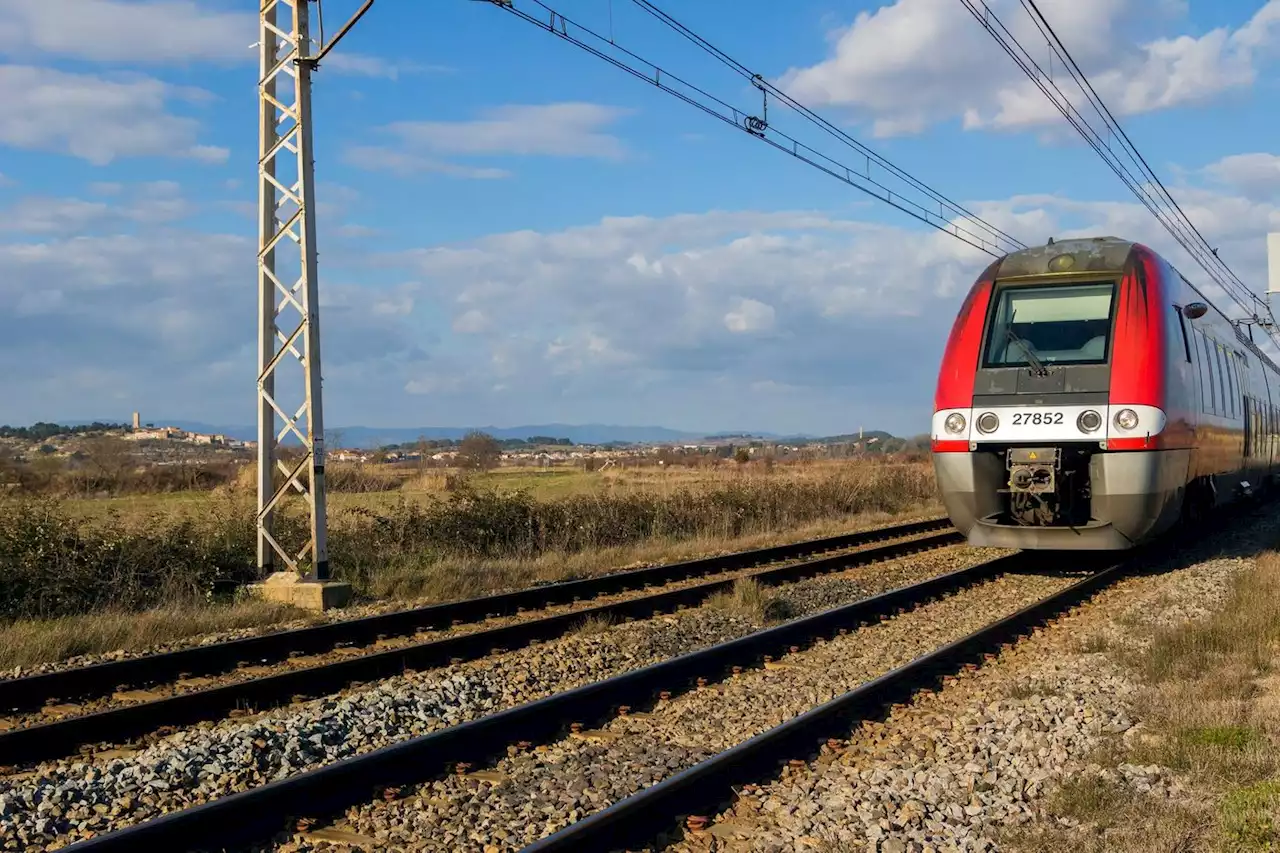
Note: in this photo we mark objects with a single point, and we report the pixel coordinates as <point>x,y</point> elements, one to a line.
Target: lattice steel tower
<point>288,302</point>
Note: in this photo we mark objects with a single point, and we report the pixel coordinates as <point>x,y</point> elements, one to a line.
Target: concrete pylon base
<point>289,588</point>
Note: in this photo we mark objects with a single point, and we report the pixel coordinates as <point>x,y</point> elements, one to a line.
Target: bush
<point>52,564</point>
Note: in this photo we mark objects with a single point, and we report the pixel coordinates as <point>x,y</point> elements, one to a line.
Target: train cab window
<point>1050,324</point>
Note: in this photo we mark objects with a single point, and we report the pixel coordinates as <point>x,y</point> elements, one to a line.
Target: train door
<point>1238,379</point>
<point>1268,423</point>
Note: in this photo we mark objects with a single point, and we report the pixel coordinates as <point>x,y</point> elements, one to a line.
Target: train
<point>1091,398</point>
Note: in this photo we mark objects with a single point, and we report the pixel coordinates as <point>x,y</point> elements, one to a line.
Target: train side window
<point>1219,379</point>
<point>1211,379</point>
<point>1197,340</point>
<point>1182,324</point>
<point>1229,362</point>
<point>1202,363</point>
<point>1224,382</point>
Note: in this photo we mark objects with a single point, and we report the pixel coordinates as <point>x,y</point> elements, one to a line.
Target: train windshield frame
<point>1061,324</point>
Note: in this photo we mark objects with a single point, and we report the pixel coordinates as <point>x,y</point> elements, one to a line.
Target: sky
<point>513,231</point>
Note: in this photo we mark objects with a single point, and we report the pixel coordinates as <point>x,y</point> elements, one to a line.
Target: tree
<point>743,456</point>
<point>110,456</point>
<point>479,450</point>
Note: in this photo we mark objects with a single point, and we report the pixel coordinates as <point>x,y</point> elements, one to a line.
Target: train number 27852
<point>1037,418</point>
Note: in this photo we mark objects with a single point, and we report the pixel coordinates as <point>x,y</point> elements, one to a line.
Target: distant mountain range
<point>362,436</point>
<point>369,437</point>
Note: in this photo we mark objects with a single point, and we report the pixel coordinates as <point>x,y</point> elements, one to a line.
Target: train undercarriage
<point>1046,487</point>
<point>1070,496</point>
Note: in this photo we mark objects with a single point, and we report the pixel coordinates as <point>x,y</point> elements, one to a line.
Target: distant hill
<point>866,434</point>
<point>367,437</point>
<point>362,436</point>
<point>359,436</point>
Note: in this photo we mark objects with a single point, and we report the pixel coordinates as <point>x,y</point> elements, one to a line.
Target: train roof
<point>1088,254</point>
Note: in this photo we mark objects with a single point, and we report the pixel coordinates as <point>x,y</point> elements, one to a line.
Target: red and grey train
<point>1090,397</point>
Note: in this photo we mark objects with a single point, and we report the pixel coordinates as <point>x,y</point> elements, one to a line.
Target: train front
<point>1048,414</point>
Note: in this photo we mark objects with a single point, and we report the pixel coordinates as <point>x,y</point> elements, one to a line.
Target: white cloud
<point>124,295</point>
<point>750,316</point>
<point>914,63</point>
<point>355,231</point>
<point>1254,175</point>
<point>377,158</point>
<point>560,130</point>
<point>148,204</point>
<point>571,129</point>
<point>96,118</point>
<point>722,319</point>
<point>361,65</point>
<point>637,314</point>
<point>471,322</point>
<point>132,32</point>
<point>431,384</point>
<point>564,129</point>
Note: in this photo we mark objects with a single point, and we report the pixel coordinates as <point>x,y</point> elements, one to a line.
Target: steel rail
<point>33,691</point>
<point>115,725</point>
<point>261,812</point>
<point>649,813</point>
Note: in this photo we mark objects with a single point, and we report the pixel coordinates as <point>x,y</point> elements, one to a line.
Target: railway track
<point>263,812</point>
<point>696,791</point>
<point>266,817</point>
<point>141,712</point>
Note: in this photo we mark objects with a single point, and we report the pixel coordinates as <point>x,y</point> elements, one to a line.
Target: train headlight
<point>1089,421</point>
<point>954,423</point>
<point>988,422</point>
<point>1126,419</point>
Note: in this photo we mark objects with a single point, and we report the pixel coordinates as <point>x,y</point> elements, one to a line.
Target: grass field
<point>541,484</point>
<point>84,575</point>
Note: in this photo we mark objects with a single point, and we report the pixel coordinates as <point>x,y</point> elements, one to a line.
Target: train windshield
<point>1051,324</point>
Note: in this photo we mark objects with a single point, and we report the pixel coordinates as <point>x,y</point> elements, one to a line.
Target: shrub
<point>52,564</point>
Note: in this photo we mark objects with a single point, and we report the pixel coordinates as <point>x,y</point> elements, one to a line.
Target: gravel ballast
<point>57,711</point>
<point>60,802</point>
<point>956,769</point>
<point>534,793</point>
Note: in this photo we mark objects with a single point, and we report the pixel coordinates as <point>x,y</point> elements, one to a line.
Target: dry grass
<point>749,600</point>
<point>595,624</point>
<point>1113,820</point>
<point>126,563</point>
<point>378,487</point>
<point>1211,710</point>
<point>34,641</point>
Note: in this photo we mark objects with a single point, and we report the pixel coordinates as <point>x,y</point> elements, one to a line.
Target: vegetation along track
<point>1009,588</point>
<point>193,700</point>
<point>263,811</point>
<point>651,818</point>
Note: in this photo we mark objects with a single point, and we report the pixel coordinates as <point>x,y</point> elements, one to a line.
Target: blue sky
<point>512,231</point>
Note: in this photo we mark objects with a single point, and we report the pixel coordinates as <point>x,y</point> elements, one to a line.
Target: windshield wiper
<point>1036,363</point>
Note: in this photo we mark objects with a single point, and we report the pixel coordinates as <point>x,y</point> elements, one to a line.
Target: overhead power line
<point>1145,185</point>
<point>890,184</point>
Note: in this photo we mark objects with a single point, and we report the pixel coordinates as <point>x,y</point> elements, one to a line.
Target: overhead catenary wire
<point>823,123</point>
<point>1147,187</point>
<point>1109,119</point>
<point>929,206</point>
